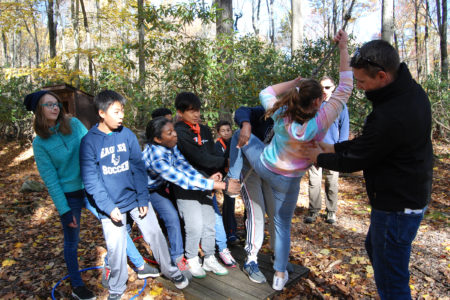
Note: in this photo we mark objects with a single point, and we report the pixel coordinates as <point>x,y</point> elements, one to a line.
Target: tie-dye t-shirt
<point>281,156</point>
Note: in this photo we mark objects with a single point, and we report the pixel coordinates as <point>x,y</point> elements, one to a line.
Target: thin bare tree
<point>387,20</point>
<point>297,25</point>
<point>442,27</point>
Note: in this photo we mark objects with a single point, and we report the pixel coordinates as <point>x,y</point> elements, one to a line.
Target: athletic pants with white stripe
<point>258,200</point>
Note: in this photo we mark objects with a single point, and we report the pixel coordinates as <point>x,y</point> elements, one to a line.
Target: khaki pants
<point>331,189</point>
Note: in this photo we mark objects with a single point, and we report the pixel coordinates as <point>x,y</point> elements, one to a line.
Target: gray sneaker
<point>180,281</point>
<point>147,271</point>
<point>115,296</point>
<point>331,217</point>
<point>253,272</point>
<point>311,217</point>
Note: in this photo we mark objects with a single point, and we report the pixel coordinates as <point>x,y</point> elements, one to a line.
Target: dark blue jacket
<point>113,171</point>
<point>255,116</point>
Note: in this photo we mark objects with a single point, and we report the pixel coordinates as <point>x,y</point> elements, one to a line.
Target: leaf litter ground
<point>31,242</point>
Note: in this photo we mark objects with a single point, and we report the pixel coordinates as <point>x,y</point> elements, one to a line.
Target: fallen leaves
<point>8,262</point>
<point>32,244</point>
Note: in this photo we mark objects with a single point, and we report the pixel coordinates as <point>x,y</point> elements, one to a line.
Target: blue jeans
<point>71,239</point>
<point>221,236</point>
<point>285,194</point>
<point>132,252</point>
<point>388,244</point>
<point>167,212</point>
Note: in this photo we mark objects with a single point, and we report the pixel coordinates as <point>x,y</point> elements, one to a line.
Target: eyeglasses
<point>52,105</point>
<point>358,59</point>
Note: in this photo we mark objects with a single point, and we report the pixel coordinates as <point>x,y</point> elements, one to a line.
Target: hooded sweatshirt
<point>112,170</point>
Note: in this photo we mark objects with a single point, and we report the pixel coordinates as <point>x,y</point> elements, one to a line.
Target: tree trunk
<point>99,23</point>
<point>255,18</point>
<point>5,49</point>
<point>224,18</point>
<point>34,37</point>
<point>224,26</point>
<point>51,24</point>
<point>387,20</point>
<point>297,25</point>
<point>425,38</point>
<point>14,53</point>
<point>141,31</point>
<point>89,42</point>
<point>19,46</point>
<point>36,41</point>
<point>416,36</point>
<point>395,33</point>
<point>271,22</point>
<point>334,17</point>
<point>442,27</point>
<point>76,35</point>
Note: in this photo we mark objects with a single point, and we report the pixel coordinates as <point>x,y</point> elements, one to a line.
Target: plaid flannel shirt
<point>164,164</point>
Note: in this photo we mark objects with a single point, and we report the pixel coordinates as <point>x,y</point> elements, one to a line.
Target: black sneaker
<point>115,296</point>
<point>311,217</point>
<point>83,293</point>
<point>147,271</point>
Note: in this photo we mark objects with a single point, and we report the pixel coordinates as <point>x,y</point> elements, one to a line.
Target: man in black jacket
<point>395,152</point>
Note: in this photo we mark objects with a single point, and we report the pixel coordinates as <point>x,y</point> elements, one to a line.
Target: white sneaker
<point>180,281</point>
<point>211,264</point>
<point>195,268</point>
<point>278,282</point>
<point>227,258</point>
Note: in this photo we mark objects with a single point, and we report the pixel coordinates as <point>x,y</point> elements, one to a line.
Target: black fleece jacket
<point>204,158</point>
<point>395,150</point>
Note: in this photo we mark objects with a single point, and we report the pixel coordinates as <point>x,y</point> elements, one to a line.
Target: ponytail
<point>297,101</point>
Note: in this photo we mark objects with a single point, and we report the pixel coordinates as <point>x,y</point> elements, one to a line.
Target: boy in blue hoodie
<point>114,176</point>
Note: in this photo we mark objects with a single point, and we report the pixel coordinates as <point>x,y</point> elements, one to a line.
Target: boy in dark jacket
<point>196,143</point>
<point>114,176</point>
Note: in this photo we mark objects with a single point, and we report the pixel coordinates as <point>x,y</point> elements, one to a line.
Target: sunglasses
<point>52,105</point>
<point>359,59</point>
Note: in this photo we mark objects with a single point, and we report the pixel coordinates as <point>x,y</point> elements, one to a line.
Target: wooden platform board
<point>236,284</point>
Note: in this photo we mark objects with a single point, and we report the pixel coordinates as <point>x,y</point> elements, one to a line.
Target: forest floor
<point>31,242</point>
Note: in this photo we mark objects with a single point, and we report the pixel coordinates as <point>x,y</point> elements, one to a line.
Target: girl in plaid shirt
<point>165,163</point>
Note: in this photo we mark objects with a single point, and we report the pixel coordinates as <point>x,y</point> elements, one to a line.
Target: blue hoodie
<point>113,171</point>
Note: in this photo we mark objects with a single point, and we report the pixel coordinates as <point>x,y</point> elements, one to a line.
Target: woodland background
<point>150,51</point>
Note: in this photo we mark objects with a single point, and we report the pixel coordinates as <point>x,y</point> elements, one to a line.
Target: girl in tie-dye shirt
<point>298,119</point>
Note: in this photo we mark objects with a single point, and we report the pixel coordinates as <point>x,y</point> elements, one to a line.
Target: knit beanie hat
<point>31,100</point>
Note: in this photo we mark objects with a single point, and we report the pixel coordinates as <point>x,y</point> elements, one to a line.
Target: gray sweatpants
<point>258,200</point>
<point>331,189</point>
<point>199,225</point>
<point>116,243</point>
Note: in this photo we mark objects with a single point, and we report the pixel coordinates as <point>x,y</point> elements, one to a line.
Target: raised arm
<point>268,96</point>
<point>342,39</point>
